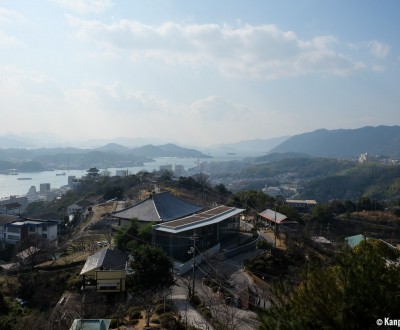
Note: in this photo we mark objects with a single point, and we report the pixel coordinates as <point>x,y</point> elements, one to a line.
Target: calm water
<point>10,185</point>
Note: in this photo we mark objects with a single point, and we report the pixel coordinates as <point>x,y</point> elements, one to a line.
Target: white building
<point>32,194</point>
<point>363,158</point>
<point>15,230</point>
<point>272,191</point>
<point>79,206</point>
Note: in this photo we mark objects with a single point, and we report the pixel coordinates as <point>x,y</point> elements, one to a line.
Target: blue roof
<point>94,324</point>
<point>353,241</point>
<point>159,207</point>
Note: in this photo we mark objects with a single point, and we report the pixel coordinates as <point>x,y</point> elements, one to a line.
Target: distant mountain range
<point>254,147</point>
<point>110,155</point>
<point>149,150</point>
<point>340,143</point>
<point>345,143</point>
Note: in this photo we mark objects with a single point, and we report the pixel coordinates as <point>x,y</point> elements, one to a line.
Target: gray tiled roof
<point>106,258</point>
<point>4,219</point>
<point>46,216</point>
<point>160,207</point>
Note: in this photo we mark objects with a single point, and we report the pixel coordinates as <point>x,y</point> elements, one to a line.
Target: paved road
<point>188,313</point>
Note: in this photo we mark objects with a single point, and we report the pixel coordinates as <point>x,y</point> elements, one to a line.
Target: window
<point>13,229</point>
<point>44,235</point>
<point>108,286</point>
<point>13,237</point>
<point>32,229</point>
<point>44,228</point>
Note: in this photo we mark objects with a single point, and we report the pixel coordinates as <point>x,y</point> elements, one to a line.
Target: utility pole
<point>192,250</point>
<point>277,198</point>
<point>275,223</point>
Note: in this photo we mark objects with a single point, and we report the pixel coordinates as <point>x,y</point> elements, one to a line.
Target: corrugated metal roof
<point>301,201</point>
<point>271,215</point>
<point>206,218</point>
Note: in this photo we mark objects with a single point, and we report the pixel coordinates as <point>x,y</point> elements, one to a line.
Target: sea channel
<point>20,183</point>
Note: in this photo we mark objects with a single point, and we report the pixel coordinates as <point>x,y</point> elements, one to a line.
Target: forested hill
<point>375,181</point>
<point>325,179</point>
<point>345,143</point>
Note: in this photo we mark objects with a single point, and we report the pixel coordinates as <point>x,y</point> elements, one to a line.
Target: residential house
<point>5,219</point>
<point>105,271</point>
<point>21,228</point>
<point>79,206</point>
<point>10,208</point>
<point>302,205</point>
<point>275,218</point>
<point>50,216</point>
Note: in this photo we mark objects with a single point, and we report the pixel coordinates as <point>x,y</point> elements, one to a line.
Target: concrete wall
<point>182,268</point>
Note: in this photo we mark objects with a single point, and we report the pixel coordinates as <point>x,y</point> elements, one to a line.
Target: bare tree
<point>221,309</point>
<point>34,249</point>
<point>148,300</point>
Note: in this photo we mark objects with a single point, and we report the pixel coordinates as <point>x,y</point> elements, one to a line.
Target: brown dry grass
<point>376,216</point>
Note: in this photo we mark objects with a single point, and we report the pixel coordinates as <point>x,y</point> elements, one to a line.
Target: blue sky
<point>197,72</point>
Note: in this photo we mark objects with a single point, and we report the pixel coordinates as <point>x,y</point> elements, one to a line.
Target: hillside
<point>325,179</point>
<point>375,181</point>
<point>345,143</point>
<point>167,150</point>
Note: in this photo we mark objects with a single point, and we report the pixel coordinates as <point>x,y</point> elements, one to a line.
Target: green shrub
<point>205,311</point>
<point>195,300</point>
<point>169,321</point>
<point>114,323</point>
<point>134,313</point>
<point>261,244</point>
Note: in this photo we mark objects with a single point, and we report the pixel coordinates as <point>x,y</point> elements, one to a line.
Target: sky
<point>197,72</point>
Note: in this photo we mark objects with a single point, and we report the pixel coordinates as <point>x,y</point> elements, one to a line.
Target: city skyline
<point>197,73</point>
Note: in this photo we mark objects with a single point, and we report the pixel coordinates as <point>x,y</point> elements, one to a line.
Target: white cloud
<point>261,51</point>
<point>7,40</point>
<point>115,110</point>
<point>378,68</point>
<point>379,49</point>
<point>85,6</point>
<point>10,16</point>
<point>216,108</point>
